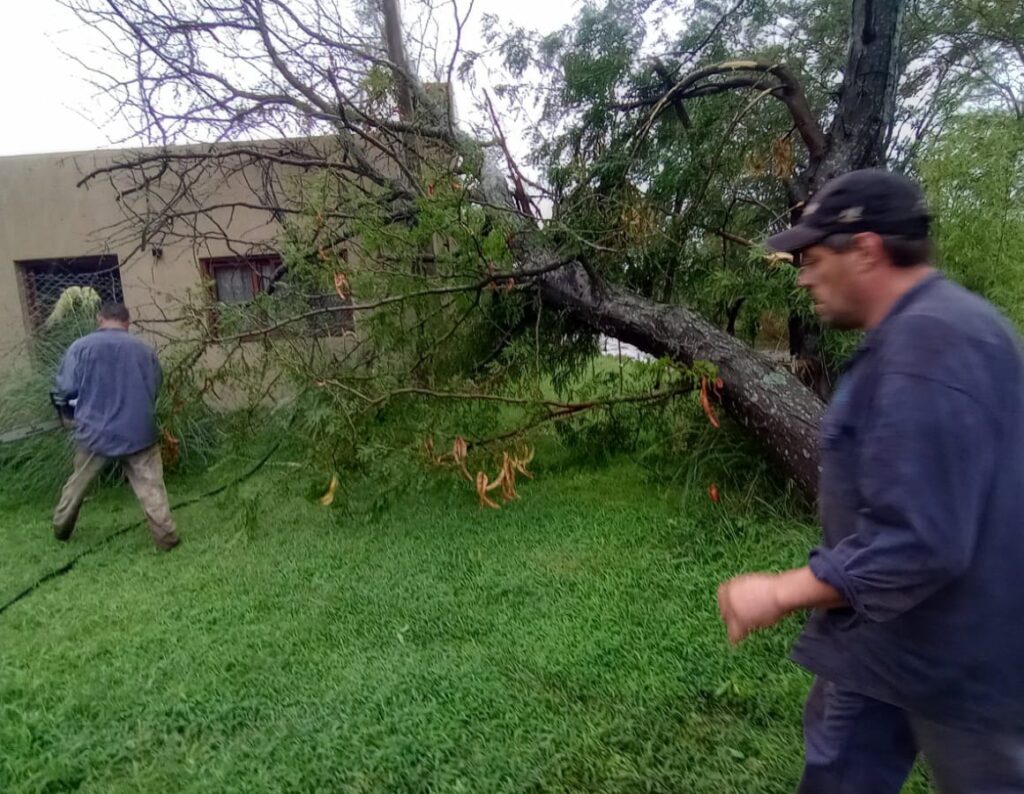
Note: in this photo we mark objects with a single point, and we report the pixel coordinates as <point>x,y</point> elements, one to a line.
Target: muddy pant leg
<point>145,472</point>
<point>86,466</point>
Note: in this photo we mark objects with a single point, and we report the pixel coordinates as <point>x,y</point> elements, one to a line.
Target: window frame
<point>209,266</point>
<point>34,309</point>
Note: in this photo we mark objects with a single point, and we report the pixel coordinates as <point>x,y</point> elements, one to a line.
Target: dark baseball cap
<point>871,200</point>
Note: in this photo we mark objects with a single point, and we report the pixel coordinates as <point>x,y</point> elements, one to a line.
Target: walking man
<point>115,378</point>
<point>917,589</point>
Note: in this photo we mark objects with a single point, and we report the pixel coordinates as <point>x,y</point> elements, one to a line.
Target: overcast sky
<point>51,107</point>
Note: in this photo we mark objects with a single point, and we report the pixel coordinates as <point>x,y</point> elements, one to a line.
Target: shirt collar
<point>905,301</point>
<point>908,298</point>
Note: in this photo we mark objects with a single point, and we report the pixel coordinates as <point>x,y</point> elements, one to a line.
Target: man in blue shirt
<point>114,379</point>
<point>917,589</point>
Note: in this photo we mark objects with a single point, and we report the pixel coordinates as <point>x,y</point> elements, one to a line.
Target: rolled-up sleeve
<point>925,462</point>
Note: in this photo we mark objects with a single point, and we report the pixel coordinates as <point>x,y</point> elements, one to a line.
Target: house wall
<point>44,214</point>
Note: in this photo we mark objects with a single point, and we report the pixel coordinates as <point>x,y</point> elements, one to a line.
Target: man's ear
<point>869,251</point>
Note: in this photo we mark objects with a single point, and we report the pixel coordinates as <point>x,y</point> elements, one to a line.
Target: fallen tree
<point>284,67</point>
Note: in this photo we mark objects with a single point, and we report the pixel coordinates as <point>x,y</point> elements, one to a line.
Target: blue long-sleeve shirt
<point>922,507</point>
<point>115,378</point>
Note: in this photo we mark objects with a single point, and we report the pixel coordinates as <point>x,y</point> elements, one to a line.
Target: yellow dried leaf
<point>519,462</point>
<point>705,403</point>
<point>341,285</point>
<point>507,479</point>
<point>482,487</point>
<point>328,497</point>
<point>782,158</point>
<point>460,451</point>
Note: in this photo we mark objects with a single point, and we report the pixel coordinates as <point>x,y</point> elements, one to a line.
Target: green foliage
<point>74,315</point>
<point>974,173</point>
<point>41,461</point>
<point>603,433</point>
<point>661,203</point>
<point>192,429</point>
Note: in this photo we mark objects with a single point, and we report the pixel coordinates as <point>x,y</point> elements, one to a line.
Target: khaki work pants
<point>145,472</point>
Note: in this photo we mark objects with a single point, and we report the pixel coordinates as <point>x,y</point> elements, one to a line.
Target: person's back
<point>984,646</point>
<point>114,380</point>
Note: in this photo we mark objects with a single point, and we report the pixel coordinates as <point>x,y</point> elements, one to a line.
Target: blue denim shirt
<point>115,378</point>
<point>922,507</point>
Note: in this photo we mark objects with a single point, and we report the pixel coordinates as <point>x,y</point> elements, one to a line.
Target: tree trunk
<point>396,52</point>
<point>777,409</point>
<point>856,139</point>
<point>867,99</point>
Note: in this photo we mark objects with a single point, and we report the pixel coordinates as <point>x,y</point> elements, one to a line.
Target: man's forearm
<point>757,600</point>
<point>799,589</point>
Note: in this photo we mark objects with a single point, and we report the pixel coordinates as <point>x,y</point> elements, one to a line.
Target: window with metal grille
<point>45,280</point>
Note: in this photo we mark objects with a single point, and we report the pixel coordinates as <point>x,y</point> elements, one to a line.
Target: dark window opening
<point>332,316</point>
<point>238,280</point>
<point>45,280</point>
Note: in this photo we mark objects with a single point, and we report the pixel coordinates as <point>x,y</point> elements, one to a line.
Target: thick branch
<point>778,410</point>
<point>788,90</point>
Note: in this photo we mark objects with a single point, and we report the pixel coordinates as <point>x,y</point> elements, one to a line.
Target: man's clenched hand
<point>749,602</point>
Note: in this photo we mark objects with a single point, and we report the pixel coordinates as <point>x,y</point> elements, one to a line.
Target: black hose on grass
<point>117,533</point>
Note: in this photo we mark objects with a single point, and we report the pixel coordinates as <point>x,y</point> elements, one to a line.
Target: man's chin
<point>834,322</point>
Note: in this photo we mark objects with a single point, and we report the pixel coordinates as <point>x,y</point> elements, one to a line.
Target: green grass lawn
<point>569,642</point>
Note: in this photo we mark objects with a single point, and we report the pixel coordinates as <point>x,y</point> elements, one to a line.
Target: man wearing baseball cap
<point>916,637</point>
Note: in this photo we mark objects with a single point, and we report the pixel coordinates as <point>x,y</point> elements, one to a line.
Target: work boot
<point>63,531</point>
<point>167,543</point>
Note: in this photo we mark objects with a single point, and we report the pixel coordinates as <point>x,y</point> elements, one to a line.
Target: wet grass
<point>569,642</point>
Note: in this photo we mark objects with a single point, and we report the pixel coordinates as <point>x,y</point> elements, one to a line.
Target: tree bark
<point>867,99</point>
<point>396,52</point>
<point>773,405</point>
<point>776,408</point>
<point>856,139</point>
